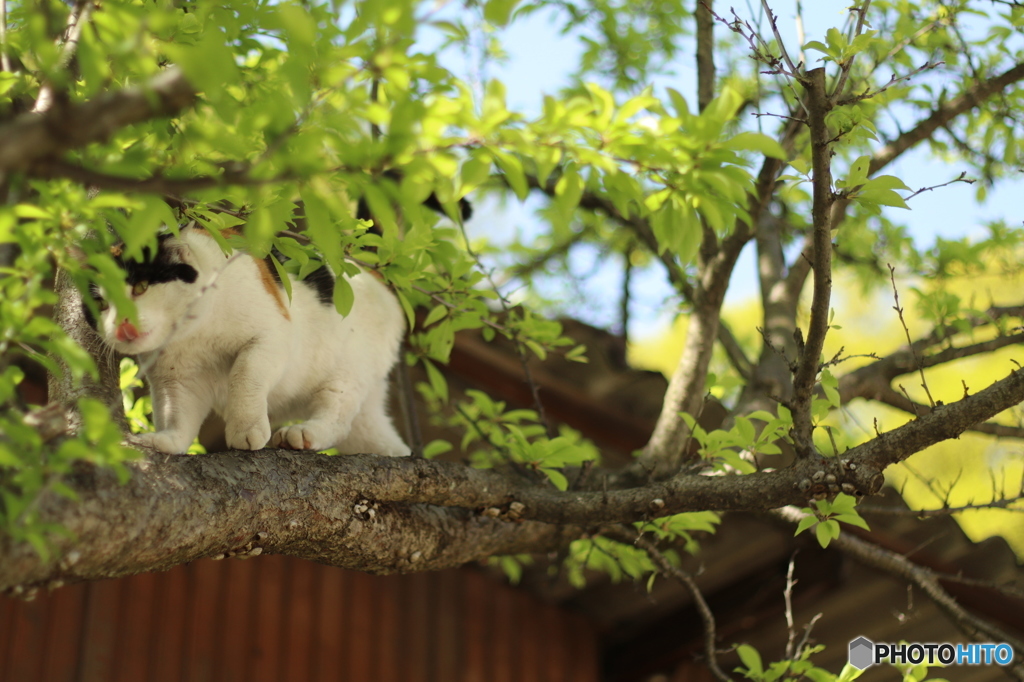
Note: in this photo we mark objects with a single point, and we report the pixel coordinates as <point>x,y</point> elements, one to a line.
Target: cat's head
<point>163,284</point>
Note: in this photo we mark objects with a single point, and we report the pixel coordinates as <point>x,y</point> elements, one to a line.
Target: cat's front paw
<point>300,437</point>
<point>248,436</point>
<point>171,442</point>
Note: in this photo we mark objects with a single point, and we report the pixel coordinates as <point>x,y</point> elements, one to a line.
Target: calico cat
<point>217,332</point>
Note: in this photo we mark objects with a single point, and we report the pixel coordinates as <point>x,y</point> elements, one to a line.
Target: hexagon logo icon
<point>862,653</point>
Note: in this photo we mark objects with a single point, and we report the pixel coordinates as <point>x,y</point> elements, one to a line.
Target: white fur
<point>223,343</point>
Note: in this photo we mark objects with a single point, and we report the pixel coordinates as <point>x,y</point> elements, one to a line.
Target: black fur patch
<point>322,282</point>
<point>154,270</point>
<point>159,269</point>
<point>269,260</point>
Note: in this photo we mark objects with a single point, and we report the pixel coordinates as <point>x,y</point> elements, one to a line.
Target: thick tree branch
<point>810,357</point>
<point>945,422</point>
<point>374,513</point>
<point>705,53</point>
<point>969,99</point>
<point>68,314</point>
<point>51,169</point>
<point>179,508</point>
<point>35,136</point>
<point>894,398</point>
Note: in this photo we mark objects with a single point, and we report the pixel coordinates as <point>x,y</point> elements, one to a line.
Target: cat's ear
<point>177,251</point>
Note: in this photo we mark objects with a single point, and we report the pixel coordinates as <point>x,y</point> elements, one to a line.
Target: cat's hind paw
<point>171,442</point>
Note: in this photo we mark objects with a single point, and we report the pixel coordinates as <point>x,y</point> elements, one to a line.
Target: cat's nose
<point>126,331</point>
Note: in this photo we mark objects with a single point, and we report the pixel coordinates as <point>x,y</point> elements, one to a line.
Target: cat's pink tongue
<point>126,331</point>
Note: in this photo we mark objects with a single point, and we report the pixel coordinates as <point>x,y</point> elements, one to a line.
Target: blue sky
<point>539,61</point>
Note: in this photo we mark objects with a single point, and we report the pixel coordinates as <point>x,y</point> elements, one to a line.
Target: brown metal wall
<point>278,618</point>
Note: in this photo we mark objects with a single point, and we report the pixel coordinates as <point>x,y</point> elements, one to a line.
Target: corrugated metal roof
<point>279,618</point>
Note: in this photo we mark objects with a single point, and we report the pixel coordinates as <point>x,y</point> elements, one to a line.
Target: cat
<point>218,332</point>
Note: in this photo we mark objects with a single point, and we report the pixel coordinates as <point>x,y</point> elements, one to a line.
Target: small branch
<point>676,274</point>
<point>893,80</point>
<point>902,402</point>
<point>927,581</point>
<point>707,617</point>
<point>793,69</point>
<point>1005,504</point>
<point>76,20</point>
<point>910,343</point>
<point>787,594</point>
<point>801,38</point>
<point>944,113</point>
<point>844,71</point>
<point>5,60</point>
<point>961,178</point>
<point>874,379</point>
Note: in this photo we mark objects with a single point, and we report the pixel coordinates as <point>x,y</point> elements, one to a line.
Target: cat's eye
<point>139,288</point>
<point>102,305</point>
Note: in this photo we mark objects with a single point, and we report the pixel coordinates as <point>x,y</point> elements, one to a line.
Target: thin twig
<point>845,69</point>
<point>520,347</point>
<point>960,178</point>
<point>707,617</point>
<point>926,580</point>
<point>76,21</point>
<point>899,311</point>
<point>5,60</point>
<point>893,80</point>
<point>778,38</point>
<point>801,38</point>
<point>1004,504</point>
<point>788,596</point>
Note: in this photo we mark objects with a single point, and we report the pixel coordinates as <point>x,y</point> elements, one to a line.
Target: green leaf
<point>437,380</point>
<point>558,478</point>
<point>512,168</point>
<point>756,142</point>
<point>805,523</point>
<point>853,520</point>
<point>751,659</point>
<point>435,448</point>
<point>823,534</point>
<point>438,313</point>
<point>344,296</point>
<point>498,12</point>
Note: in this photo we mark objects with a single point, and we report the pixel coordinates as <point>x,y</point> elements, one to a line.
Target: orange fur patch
<point>272,287</point>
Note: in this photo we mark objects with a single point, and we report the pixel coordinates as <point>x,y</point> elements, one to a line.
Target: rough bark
<point>821,208</point>
<point>63,387</point>
<point>385,515</point>
<point>35,136</point>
